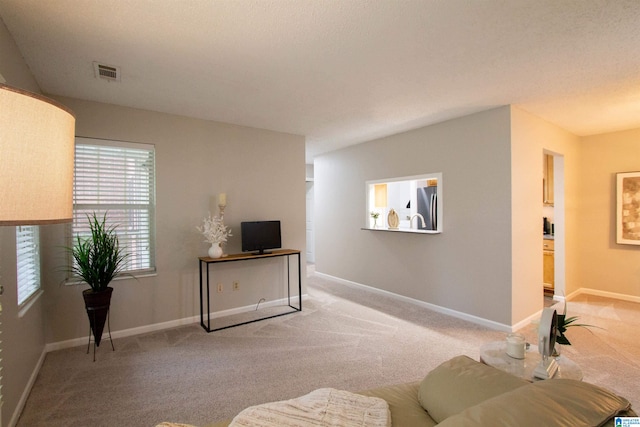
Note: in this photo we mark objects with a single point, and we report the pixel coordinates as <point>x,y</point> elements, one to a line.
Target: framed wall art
<point>628,208</point>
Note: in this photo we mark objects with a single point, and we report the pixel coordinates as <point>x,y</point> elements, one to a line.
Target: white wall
<point>467,268</point>
<point>263,174</point>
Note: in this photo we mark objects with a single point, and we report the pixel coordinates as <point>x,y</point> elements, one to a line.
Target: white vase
<point>215,251</point>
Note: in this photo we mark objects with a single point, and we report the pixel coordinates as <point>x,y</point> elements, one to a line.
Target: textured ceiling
<point>342,71</point>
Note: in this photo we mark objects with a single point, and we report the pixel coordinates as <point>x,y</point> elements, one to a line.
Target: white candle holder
<point>221,208</point>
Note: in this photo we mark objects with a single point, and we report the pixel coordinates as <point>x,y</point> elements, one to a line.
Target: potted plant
<point>565,322</point>
<point>97,260</point>
<point>375,216</point>
<point>215,233</point>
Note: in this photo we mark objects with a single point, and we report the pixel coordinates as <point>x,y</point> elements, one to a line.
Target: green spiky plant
<point>565,322</point>
<point>98,258</point>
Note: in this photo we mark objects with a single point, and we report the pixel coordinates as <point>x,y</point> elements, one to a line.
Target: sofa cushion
<point>555,402</point>
<point>403,404</point>
<point>461,383</point>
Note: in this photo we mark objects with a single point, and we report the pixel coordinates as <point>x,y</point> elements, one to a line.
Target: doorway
<point>311,257</point>
<point>553,209</point>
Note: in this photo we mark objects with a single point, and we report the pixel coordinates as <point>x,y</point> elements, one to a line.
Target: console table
<point>206,262</point>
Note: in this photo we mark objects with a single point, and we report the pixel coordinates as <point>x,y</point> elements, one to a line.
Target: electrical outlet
<point>236,285</point>
<point>220,288</point>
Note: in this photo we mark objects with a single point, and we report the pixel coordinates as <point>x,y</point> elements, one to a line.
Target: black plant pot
<point>97,305</point>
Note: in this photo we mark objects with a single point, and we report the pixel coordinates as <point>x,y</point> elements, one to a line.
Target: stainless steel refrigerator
<point>427,207</point>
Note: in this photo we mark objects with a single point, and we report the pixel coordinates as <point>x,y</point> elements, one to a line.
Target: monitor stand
<point>261,252</point>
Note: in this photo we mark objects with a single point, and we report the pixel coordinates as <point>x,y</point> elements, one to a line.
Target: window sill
<point>26,305</point>
<point>122,276</point>
<point>403,230</point>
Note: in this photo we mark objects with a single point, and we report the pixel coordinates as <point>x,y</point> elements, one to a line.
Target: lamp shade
<point>36,159</point>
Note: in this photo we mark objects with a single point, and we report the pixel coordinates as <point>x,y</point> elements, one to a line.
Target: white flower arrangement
<point>214,230</point>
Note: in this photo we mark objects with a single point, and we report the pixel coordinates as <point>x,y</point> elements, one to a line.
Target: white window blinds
<point>118,179</point>
<point>28,261</point>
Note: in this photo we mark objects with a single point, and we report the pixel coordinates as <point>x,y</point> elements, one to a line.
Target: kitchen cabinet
<point>547,180</point>
<point>549,266</point>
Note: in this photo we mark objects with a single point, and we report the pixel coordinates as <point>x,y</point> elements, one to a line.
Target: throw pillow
<point>549,403</point>
<point>461,383</point>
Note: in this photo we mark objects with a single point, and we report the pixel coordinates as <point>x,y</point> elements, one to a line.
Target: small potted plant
<point>97,260</point>
<point>215,233</point>
<point>375,216</point>
<point>564,323</point>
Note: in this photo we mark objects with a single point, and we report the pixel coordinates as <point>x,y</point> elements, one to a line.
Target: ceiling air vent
<point>107,72</point>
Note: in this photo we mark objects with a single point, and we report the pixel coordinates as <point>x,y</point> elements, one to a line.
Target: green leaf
<point>565,322</point>
<point>98,258</point>
<point>568,321</point>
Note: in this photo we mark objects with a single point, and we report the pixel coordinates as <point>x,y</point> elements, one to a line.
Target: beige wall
<point>604,265</point>
<point>23,337</point>
<point>467,268</point>
<point>22,333</point>
<point>488,261</point>
<point>263,174</point>
<point>593,262</point>
<point>530,137</point>
<point>12,65</point>
<point>447,270</point>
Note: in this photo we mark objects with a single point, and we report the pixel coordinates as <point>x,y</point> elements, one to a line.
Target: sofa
<point>462,392</point>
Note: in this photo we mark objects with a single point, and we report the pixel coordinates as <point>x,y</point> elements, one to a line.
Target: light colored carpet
<point>344,338</point>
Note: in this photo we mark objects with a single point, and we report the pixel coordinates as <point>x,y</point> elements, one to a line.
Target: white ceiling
<point>342,72</point>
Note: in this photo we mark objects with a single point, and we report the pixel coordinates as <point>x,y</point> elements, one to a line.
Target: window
<point>117,178</point>
<point>28,261</point>
<point>408,204</point>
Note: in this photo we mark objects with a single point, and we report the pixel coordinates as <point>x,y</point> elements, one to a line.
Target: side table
<point>205,293</point>
<point>494,354</point>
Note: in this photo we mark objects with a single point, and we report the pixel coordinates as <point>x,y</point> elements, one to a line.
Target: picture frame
<point>628,208</point>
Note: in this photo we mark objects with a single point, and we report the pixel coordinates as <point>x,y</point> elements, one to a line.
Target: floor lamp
<point>36,159</point>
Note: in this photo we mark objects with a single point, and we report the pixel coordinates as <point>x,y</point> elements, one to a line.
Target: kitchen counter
<point>548,236</point>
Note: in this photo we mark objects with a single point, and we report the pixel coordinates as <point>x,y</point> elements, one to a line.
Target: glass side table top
<point>494,354</point>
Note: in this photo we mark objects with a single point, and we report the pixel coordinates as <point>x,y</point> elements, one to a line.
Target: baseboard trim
<point>479,320</point>
<point>75,342</point>
<point>527,321</point>
<point>606,294</point>
<point>27,390</point>
<point>437,308</point>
